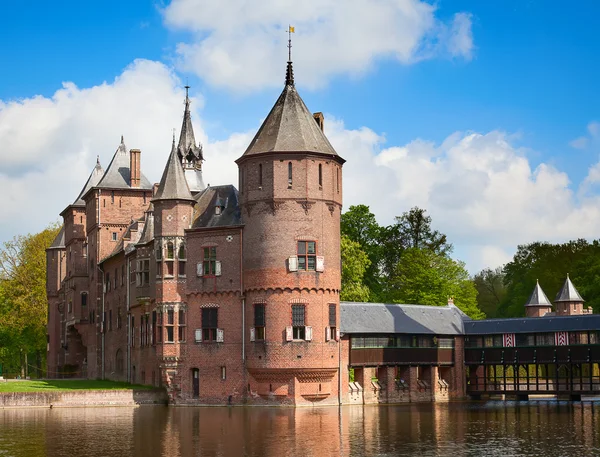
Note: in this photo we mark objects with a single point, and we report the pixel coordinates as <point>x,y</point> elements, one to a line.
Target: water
<point>456,429</point>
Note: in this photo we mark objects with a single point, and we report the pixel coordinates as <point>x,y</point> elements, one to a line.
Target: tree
<point>414,229</point>
<point>426,278</point>
<point>354,265</point>
<point>23,303</point>
<point>490,290</point>
<point>360,226</point>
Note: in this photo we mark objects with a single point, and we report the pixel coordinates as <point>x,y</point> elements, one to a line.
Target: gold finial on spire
<point>289,74</point>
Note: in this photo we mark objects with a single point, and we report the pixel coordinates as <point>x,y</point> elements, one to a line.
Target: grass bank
<point>51,385</point>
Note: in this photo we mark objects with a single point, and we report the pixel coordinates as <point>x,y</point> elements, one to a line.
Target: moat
<point>459,429</point>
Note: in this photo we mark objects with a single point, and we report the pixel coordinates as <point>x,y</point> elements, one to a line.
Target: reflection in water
<point>457,429</point>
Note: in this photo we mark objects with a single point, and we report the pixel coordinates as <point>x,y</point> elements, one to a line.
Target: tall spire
<point>189,153</point>
<point>173,185</point>
<point>289,73</point>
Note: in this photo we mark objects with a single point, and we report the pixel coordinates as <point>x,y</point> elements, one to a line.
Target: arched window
<point>260,182</point>
<point>181,254</point>
<point>181,263</point>
<point>170,250</point>
<point>320,175</point>
<point>289,174</point>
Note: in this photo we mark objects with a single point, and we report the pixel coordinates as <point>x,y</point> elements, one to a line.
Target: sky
<point>486,114</point>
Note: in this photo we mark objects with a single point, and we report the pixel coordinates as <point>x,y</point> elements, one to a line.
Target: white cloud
<point>480,190</point>
<point>591,139</point>
<point>243,46</point>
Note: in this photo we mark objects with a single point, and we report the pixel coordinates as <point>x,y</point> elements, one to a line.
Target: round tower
<point>290,181</point>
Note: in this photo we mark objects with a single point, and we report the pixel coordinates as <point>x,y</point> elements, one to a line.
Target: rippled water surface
<point>456,429</point>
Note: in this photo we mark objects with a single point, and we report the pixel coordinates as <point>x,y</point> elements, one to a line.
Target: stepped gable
<point>538,297</point>
<point>173,185</point>
<point>568,293</point>
<point>92,181</point>
<point>225,198</point>
<point>290,127</point>
<point>118,175</point>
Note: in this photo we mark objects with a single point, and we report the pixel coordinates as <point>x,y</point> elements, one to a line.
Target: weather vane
<point>290,31</point>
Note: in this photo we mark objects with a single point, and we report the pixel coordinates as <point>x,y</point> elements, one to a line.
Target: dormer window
<point>217,210</point>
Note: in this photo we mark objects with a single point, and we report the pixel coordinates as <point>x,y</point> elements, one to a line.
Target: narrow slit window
<point>320,175</point>
<point>260,175</point>
<point>289,173</point>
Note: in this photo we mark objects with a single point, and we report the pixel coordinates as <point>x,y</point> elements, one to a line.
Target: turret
<point>538,304</point>
<point>568,302</point>
<point>190,154</point>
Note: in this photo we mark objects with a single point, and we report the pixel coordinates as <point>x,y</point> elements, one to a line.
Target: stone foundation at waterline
<point>82,398</point>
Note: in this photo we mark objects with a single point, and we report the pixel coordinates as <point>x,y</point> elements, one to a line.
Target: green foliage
<point>491,290</point>
<point>23,303</point>
<point>426,278</point>
<point>550,263</point>
<point>354,265</point>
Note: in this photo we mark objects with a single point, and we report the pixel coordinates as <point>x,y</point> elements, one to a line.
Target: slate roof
<point>92,181</point>
<point>207,200</point>
<point>129,239</point>
<point>173,185</point>
<point>148,232</point>
<point>568,293</point>
<point>290,127</point>
<point>187,141</point>
<point>538,297</point>
<point>118,175</point>
<point>534,324</point>
<point>380,318</point>
<point>59,241</point>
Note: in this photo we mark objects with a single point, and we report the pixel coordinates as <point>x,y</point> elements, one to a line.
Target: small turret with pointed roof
<point>190,154</point>
<point>538,304</point>
<point>568,301</point>
<point>173,185</point>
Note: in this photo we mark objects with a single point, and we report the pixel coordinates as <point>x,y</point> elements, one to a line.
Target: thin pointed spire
<point>538,297</point>
<point>98,161</point>
<point>568,293</point>
<point>289,72</point>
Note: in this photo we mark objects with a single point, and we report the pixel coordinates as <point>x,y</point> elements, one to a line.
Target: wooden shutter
<point>219,335</point>
<point>320,263</point>
<point>289,333</point>
<point>252,334</point>
<point>293,263</point>
<point>308,333</point>
<point>199,267</point>
<point>198,335</point>
<point>337,334</point>
<point>327,333</point>
<point>217,268</point>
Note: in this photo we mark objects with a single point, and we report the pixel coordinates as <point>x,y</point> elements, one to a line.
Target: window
<point>446,343</point>
<point>107,282</point>
<point>84,297</point>
<point>170,250</point>
<point>210,261</point>
<point>223,373</point>
<point>320,175</point>
<point>159,333</point>
<point>307,255</point>
<point>114,236</point>
<point>259,321</point>
<point>332,322</point>
<point>260,179</point>
<point>181,255</point>
<point>143,272</point>
<point>169,325</point>
<point>112,196</point>
<point>70,307</point>
<point>181,328</point>
<point>209,324</point>
<point>523,339</point>
<point>298,322</point>
<point>544,339</point>
<point>131,272</point>
<point>289,174</point>
<point>158,253</point>
<point>119,318</point>
<point>110,319</point>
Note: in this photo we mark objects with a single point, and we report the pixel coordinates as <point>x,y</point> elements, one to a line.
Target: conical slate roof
<point>59,241</point>
<point>148,232</point>
<point>187,141</point>
<point>173,185</point>
<point>290,127</point>
<point>538,297</point>
<point>568,293</point>
<point>118,174</point>
<point>92,181</point>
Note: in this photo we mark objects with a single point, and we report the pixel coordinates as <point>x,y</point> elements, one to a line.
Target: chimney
<point>320,119</point>
<point>450,301</point>
<point>134,167</point>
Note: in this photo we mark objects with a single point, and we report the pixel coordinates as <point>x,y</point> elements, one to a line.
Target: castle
<point>232,296</point>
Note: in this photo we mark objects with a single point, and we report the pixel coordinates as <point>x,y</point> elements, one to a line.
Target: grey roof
<point>568,293</point>
<point>187,141</point>
<point>538,297</point>
<point>534,324</point>
<point>225,197</point>
<point>92,181</point>
<point>59,241</point>
<point>129,239</point>
<point>290,127</point>
<point>118,174</point>
<point>173,185</point>
<point>148,232</point>
<point>391,318</point>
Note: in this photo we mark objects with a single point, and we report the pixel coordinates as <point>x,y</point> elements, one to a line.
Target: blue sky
<point>516,81</point>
